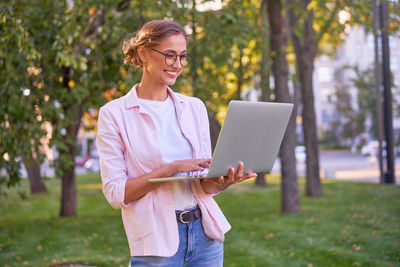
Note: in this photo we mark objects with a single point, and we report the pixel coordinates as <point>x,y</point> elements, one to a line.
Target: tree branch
<point>328,23</point>
<point>123,5</point>
<point>95,22</point>
<point>91,29</point>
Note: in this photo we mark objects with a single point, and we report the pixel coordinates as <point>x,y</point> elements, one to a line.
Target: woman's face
<point>155,64</point>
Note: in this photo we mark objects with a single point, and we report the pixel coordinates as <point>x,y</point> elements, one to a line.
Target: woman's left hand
<point>214,185</point>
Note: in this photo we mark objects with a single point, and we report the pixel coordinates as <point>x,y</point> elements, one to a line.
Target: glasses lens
<point>184,60</point>
<point>170,59</point>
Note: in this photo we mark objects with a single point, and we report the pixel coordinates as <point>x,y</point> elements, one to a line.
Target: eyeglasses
<point>171,58</point>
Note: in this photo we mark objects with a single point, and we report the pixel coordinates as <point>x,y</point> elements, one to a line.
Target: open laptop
<point>252,133</point>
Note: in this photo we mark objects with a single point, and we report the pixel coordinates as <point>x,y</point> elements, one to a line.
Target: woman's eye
<point>170,56</point>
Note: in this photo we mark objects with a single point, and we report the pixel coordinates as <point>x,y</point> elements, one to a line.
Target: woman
<point>153,132</point>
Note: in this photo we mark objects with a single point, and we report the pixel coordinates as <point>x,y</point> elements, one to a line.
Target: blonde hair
<point>151,34</point>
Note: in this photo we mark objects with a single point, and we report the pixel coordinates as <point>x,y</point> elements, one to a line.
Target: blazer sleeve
<point>205,130</point>
<point>112,163</point>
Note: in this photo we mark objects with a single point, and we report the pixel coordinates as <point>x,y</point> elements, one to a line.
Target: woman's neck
<point>148,89</point>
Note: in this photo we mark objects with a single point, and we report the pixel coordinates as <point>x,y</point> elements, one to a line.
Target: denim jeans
<point>195,249</point>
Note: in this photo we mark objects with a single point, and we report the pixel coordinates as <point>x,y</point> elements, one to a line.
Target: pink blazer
<point>128,147</point>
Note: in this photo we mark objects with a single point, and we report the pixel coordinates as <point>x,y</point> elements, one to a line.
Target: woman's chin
<point>171,82</point>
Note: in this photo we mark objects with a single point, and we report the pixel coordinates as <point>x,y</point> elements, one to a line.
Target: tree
<point>305,42</point>
<point>361,15</point>
<point>364,82</point>
<point>20,117</point>
<point>306,49</point>
<point>78,57</point>
<point>75,89</point>
<point>350,122</point>
<point>265,72</point>
<point>290,195</point>
<point>88,58</point>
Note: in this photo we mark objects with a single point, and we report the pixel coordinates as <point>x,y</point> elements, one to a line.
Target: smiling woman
<point>149,133</point>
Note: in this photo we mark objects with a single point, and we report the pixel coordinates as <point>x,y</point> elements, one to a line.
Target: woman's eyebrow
<point>173,51</point>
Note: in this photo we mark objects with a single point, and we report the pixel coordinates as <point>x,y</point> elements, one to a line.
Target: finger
<point>196,167</point>
<point>231,175</point>
<point>208,160</point>
<point>219,180</point>
<point>197,164</point>
<point>204,164</point>
<point>239,172</point>
<point>252,174</point>
<point>202,161</point>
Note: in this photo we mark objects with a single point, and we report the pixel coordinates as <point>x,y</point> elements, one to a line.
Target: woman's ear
<point>143,54</point>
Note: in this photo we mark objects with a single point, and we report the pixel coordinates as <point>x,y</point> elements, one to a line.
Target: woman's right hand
<point>188,165</point>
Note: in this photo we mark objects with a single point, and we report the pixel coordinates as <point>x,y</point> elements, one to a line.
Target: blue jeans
<point>195,249</point>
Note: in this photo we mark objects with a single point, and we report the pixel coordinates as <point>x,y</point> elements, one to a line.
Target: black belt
<point>188,216</point>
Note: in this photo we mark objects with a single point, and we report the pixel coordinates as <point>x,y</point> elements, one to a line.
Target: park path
<point>334,164</point>
<point>344,165</point>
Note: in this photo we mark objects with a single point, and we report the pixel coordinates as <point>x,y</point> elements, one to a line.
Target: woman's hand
<point>189,165</point>
<point>138,187</point>
<point>215,185</point>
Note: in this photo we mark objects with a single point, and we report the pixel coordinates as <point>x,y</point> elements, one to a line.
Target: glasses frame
<point>175,59</point>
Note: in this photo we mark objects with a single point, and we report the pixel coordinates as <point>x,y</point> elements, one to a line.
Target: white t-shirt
<point>173,145</point>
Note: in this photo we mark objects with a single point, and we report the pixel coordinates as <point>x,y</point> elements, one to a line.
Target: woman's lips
<point>171,74</point>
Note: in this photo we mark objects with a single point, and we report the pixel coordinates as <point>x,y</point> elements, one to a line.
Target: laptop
<point>252,133</point>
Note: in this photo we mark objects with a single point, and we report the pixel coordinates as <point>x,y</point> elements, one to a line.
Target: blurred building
<point>331,72</point>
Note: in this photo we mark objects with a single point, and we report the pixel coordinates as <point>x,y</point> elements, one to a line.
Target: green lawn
<point>352,225</point>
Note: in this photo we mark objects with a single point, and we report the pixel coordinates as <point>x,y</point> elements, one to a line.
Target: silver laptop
<point>252,133</point>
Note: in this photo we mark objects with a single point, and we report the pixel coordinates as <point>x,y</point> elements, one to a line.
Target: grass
<point>354,224</point>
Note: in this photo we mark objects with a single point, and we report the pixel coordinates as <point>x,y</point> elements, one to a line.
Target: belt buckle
<point>181,217</point>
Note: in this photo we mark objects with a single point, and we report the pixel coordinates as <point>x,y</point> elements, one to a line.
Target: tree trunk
<point>305,50</point>
<point>32,166</point>
<point>265,55</point>
<point>66,157</point>
<point>240,75</point>
<point>278,40</point>
<point>265,72</point>
<point>378,95</point>
<point>68,192</point>
<point>260,179</point>
<point>193,51</point>
<point>68,185</point>
<point>215,128</point>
